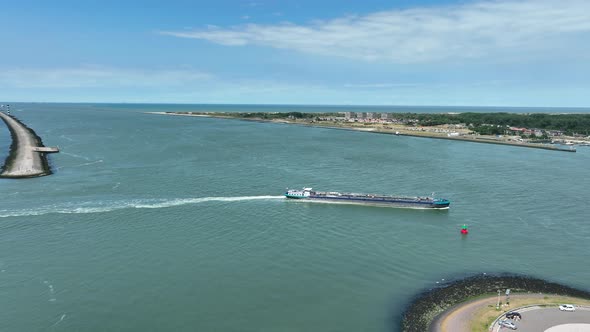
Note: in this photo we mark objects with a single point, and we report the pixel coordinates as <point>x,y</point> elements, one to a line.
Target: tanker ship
<point>308,194</point>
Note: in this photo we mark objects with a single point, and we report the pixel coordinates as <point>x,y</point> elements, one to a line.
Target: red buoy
<point>464,230</point>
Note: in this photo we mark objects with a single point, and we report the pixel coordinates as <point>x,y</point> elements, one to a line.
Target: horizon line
<point>299,105</point>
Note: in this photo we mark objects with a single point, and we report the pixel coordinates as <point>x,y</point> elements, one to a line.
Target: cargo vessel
<point>309,194</point>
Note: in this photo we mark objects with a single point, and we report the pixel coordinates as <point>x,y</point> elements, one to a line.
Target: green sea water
<point>163,223</point>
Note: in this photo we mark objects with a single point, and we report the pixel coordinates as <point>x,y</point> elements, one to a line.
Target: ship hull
<point>310,195</point>
<point>372,202</point>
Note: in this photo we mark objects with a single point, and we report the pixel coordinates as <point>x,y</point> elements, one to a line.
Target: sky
<point>337,52</point>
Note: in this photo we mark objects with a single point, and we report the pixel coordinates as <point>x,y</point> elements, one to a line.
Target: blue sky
<point>397,52</point>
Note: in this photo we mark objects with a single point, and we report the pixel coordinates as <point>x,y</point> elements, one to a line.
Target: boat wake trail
<point>107,206</point>
<point>84,164</point>
<point>75,155</point>
<point>51,290</point>
<point>59,320</point>
<point>185,201</point>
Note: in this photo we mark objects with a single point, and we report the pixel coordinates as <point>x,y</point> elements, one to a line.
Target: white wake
<point>107,206</point>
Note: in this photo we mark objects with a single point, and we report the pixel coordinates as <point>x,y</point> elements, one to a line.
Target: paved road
<point>539,320</point>
<point>26,162</point>
<point>458,318</point>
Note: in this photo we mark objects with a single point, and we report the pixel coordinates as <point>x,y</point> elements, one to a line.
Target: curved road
<point>550,319</point>
<point>24,161</point>
<point>458,318</point>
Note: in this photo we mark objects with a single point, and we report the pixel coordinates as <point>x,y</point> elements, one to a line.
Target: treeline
<point>282,115</point>
<point>568,123</point>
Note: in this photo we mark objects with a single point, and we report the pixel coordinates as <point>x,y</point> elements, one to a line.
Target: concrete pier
<point>27,153</point>
<point>46,149</point>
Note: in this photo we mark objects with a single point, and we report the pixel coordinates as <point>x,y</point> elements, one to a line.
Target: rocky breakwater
<point>27,157</point>
<point>429,305</point>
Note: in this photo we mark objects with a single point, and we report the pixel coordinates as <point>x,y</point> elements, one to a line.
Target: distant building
<point>386,116</point>
<point>360,115</point>
<point>349,115</point>
<point>517,129</point>
<point>370,115</point>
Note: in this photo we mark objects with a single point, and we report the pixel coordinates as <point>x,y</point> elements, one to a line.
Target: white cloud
<point>96,76</point>
<point>268,91</point>
<point>482,93</point>
<point>515,28</point>
<point>380,85</point>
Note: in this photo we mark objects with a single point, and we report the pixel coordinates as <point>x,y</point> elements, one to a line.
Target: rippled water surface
<point>177,223</point>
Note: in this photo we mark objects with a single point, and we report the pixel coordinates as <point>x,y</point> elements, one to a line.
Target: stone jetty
<point>27,153</point>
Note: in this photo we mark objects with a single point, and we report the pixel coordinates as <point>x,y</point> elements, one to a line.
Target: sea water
<point>164,223</point>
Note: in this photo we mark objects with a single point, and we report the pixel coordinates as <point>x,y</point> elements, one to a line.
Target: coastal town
<point>482,129</point>
<point>510,133</point>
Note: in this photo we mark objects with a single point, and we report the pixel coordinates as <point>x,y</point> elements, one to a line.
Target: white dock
<point>46,149</point>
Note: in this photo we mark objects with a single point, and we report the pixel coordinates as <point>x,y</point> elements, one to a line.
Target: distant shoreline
<point>395,131</point>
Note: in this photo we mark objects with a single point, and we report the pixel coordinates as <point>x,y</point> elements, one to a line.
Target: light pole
<point>508,296</point>
<point>498,305</point>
